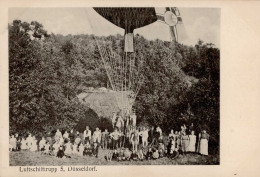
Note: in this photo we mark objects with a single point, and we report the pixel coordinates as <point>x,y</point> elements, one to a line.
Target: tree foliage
<point>47,71</point>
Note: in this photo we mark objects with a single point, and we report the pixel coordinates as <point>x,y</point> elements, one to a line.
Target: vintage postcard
<point>128,89</point>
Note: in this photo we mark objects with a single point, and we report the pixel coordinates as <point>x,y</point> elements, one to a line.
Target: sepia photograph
<point>114,86</point>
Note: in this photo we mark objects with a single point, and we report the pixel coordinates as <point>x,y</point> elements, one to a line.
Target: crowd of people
<point>125,142</point>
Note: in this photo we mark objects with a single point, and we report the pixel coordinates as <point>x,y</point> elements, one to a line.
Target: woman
<point>185,142</point>
<point>192,142</point>
<point>204,139</point>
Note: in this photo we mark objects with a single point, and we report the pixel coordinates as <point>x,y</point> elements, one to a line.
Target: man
<point>145,136</point>
<point>115,138</point>
<point>49,138</point>
<point>113,120</point>
<point>87,134</point>
<point>97,136</point>
<point>119,123</point>
<point>135,139</point>
<point>104,139</point>
<point>151,135</point>
<point>72,135</point>
<point>133,119</point>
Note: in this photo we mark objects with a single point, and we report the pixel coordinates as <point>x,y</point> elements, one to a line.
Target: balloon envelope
<point>128,18</point>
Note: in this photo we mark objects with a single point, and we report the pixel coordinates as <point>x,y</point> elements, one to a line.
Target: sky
<point>198,23</point>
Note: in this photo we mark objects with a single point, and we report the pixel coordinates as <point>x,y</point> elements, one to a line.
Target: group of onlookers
<point>130,143</point>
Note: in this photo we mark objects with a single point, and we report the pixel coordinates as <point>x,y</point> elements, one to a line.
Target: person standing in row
<point>96,136</point>
<point>192,138</point>
<point>115,138</point>
<point>104,139</point>
<point>87,134</point>
<point>203,140</point>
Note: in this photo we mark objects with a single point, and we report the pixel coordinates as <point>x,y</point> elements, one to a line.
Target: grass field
<point>27,158</point>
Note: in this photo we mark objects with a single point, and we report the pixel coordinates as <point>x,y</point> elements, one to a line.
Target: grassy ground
<point>27,158</point>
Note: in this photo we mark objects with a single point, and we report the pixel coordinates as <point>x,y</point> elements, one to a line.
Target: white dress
<point>29,141</point>
<point>34,146</point>
<point>42,144</point>
<point>61,141</point>
<point>204,146</point>
<point>192,143</point>
<point>47,148</point>
<point>75,149</point>
<point>23,145</point>
<point>81,149</point>
<point>56,148</point>
<point>68,149</point>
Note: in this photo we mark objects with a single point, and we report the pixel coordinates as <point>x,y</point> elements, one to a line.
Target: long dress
<point>68,149</point>
<point>42,144</point>
<point>81,149</point>
<point>47,148</point>
<point>56,147</point>
<point>185,143</point>
<point>75,149</point>
<point>34,146</point>
<point>204,144</point>
<point>29,141</point>
<point>192,143</point>
<point>23,145</point>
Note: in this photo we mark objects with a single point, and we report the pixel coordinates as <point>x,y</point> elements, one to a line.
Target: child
<point>60,153</point>
<point>81,149</point>
<point>174,153</point>
<point>149,154</point>
<point>134,156</point>
<point>23,144</point>
<point>161,149</point>
<point>121,155</point>
<point>155,154</point>
<point>95,150</point>
<point>42,143</point>
<point>47,148</point>
<point>56,147</point>
<point>87,149</point>
<point>127,154</point>
<point>75,148</point>
<point>109,155</point>
<point>140,155</point>
<point>115,155</point>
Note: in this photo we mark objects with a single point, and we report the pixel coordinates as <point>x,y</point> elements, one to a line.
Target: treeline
<point>47,71</point>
